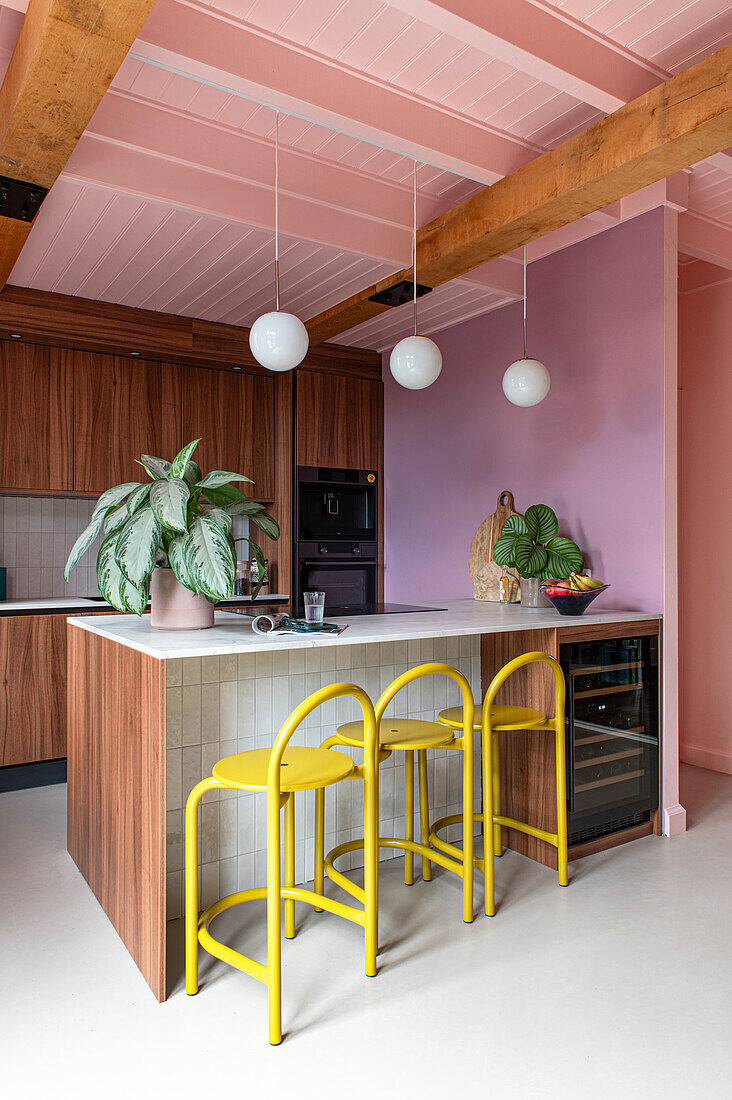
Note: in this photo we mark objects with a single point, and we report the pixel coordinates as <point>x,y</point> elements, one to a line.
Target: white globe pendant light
<point>527,381</point>
<point>416,361</point>
<point>277,340</point>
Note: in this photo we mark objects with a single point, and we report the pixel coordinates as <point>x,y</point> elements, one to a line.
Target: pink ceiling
<point>167,201</point>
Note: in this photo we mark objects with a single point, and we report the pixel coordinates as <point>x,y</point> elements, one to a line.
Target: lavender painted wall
<point>593,450</point>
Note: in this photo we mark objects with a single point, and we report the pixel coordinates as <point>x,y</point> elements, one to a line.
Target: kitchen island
<point>151,711</point>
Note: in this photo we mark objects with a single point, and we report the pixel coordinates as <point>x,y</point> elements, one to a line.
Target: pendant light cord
<point>277,210</point>
<point>524,301</point>
<point>414,241</point>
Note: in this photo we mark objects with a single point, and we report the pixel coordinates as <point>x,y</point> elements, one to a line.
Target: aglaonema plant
<point>181,520</point>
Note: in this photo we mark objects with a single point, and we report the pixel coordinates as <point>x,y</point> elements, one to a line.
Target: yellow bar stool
<point>410,736</point>
<point>495,719</point>
<point>280,772</point>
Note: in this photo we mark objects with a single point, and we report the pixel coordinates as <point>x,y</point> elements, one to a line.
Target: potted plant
<point>171,540</point>
<point>531,544</point>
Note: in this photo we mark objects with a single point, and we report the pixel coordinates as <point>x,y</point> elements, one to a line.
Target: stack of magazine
<point>285,625</point>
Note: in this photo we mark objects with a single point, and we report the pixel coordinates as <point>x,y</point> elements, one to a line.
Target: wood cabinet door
<point>339,421</point>
<point>123,408</point>
<point>233,414</point>
<point>33,698</point>
<point>36,396</point>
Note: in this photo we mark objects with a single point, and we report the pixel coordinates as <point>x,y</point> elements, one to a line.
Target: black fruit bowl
<point>573,603</point>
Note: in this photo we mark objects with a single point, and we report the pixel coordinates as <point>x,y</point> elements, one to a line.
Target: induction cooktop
<point>381,609</point>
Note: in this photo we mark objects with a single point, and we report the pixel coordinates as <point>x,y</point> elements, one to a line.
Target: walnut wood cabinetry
<point>36,398</point>
<point>233,414</point>
<point>339,420</point>
<point>123,408</point>
<point>33,698</point>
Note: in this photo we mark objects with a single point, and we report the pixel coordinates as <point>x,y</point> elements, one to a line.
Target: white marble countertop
<point>57,604</point>
<point>233,633</point>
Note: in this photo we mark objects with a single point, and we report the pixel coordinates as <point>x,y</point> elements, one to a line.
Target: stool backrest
<point>433,668</point>
<point>513,666</point>
<point>301,712</point>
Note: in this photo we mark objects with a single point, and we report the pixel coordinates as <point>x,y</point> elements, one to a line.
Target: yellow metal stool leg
<point>274,922</point>
<point>496,770</point>
<point>191,906</point>
<point>290,865</point>
<point>424,813</point>
<point>319,872</point>
<point>409,815</point>
<point>561,809</point>
<point>371,858</point>
<point>488,831</point>
<point>467,756</point>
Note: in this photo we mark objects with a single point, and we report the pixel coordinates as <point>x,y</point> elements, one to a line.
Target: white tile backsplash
<point>214,711</point>
<point>36,537</point>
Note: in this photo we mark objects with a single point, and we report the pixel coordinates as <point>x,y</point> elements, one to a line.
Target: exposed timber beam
<point>65,58</point>
<point>675,125</point>
<point>213,46</point>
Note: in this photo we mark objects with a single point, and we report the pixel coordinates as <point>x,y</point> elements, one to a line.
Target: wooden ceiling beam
<point>677,124</point>
<point>65,58</point>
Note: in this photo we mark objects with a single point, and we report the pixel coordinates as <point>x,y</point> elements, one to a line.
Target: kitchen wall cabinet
<point>36,397</point>
<point>123,408</point>
<point>339,420</point>
<point>33,702</point>
<point>233,414</point>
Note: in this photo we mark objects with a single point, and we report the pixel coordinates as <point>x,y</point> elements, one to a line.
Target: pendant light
<point>416,361</point>
<point>278,341</point>
<point>527,381</point>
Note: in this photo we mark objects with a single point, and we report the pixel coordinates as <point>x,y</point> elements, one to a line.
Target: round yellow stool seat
<point>302,769</point>
<point>502,718</point>
<point>407,734</point>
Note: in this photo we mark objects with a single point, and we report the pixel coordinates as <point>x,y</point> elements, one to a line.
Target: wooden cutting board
<point>484,572</point>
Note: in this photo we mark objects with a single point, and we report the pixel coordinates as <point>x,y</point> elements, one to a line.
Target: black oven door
<point>348,586</point>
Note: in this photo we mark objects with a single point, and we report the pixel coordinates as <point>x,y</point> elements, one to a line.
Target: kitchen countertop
<point>74,605</point>
<point>233,634</point>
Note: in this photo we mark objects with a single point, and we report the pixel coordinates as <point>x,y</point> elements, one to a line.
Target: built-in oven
<point>336,538</point>
<point>346,572</point>
<point>336,504</point>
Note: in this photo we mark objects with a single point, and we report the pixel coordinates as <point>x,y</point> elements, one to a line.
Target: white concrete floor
<point>616,987</point>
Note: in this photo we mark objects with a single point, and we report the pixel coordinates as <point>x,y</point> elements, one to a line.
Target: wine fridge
<point>612,721</point>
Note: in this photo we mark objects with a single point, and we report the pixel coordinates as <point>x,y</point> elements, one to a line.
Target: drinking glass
<point>314,606</point>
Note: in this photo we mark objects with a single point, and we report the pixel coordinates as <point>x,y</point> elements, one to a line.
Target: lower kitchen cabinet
<point>33,704</point>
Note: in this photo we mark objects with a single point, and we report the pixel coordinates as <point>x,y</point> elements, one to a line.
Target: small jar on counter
<point>242,585</point>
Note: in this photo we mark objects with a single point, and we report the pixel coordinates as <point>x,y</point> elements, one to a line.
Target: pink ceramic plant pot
<point>173,607</point>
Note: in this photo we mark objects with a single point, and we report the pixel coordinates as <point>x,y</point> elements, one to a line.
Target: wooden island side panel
<point>116,790</point>
<point>528,782</point>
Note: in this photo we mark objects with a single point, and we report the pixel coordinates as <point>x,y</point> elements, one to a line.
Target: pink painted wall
<point>593,450</point>
<point>705,525</point>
